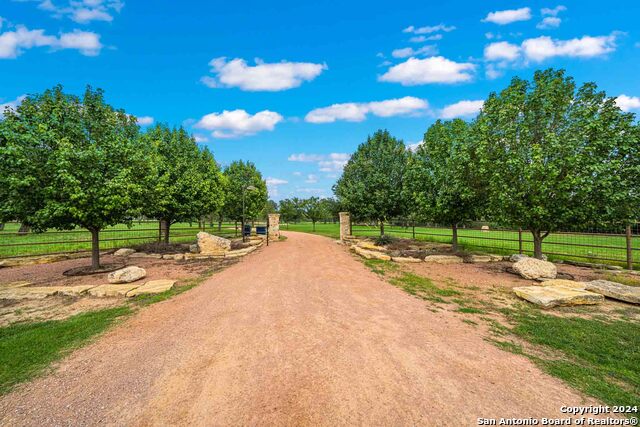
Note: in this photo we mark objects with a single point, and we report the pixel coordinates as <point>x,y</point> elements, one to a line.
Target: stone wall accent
<point>209,244</point>
<point>345,225</point>
<point>274,226</point>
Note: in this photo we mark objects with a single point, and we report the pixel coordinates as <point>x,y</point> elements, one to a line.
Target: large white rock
<point>208,244</point>
<point>127,275</point>
<point>532,268</point>
<point>365,253</point>
<point>152,287</point>
<point>124,252</point>
<point>615,290</point>
<point>104,291</point>
<point>443,259</point>
<point>550,296</point>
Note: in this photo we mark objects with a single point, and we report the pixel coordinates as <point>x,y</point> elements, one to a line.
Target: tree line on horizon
<point>69,162</point>
<point>542,155</point>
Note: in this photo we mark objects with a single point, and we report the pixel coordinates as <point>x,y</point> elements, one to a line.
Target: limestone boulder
<point>208,244</point>
<point>405,259</point>
<point>106,291</point>
<point>152,287</point>
<point>549,296</point>
<point>615,290</point>
<point>562,283</point>
<point>18,284</point>
<point>145,255</point>
<point>124,252</point>
<point>175,257</point>
<point>443,259</point>
<point>365,253</point>
<point>127,275</point>
<point>532,268</point>
<point>518,257</point>
<point>365,244</point>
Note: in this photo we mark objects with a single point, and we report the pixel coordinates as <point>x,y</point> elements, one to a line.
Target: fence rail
<point>14,244</point>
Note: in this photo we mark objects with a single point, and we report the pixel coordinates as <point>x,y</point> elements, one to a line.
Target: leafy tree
<point>188,183</point>
<point>371,184</point>
<point>440,178</point>
<point>239,176</point>
<point>554,156</point>
<point>291,210</point>
<point>67,162</point>
<point>331,208</point>
<point>314,210</point>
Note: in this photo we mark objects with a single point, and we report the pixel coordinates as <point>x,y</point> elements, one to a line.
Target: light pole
<point>244,191</point>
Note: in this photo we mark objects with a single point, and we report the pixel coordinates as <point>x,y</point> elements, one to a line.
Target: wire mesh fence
<point>607,246</point>
<point>16,244</point>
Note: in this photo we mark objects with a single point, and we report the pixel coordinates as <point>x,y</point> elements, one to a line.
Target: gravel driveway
<point>299,333</point>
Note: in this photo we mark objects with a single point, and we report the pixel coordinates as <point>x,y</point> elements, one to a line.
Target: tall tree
<point>67,162</point>
<point>371,184</point>
<point>331,208</point>
<point>291,210</point>
<point>188,184</point>
<point>440,179</point>
<point>314,210</point>
<point>555,156</point>
<point>240,177</point>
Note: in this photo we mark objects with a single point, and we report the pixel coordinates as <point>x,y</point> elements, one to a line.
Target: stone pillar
<point>274,226</point>
<point>345,225</point>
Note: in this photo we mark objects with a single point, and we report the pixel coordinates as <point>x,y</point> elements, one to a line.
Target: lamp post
<point>244,191</point>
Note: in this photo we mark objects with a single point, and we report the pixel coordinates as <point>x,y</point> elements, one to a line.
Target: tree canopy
<point>240,175</point>
<point>371,184</point>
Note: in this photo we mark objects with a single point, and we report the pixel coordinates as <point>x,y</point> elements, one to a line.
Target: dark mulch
<point>162,248</point>
<point>87,270</point>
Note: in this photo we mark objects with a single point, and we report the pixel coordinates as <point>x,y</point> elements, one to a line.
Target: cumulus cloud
<point>409,51</point>
<point>82,11</point>
<point>12,105</point>
<point>436,69</point>
<point>628,103</point>
<point>200,138</point>
<point>273,184</point>
<point>238,123</point>
<point>504,17</point>
<point>501,51</point>
<point>333,162</point>
<point>145,120</point>
<point>358,111</point>
<point>461,109</point>
<point>549,22</point>
<point>429,29</point>
<point>262,76</point>
<point>311,179</point>
<point>14,43</point>
<point>541,48</point>
<point>413,146</point>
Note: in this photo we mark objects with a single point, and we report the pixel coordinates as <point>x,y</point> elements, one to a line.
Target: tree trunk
<point>165,226</point>
<point>538,237</point>
<point>314,225</point>
<point>24,229</point>
<point>1,226</point>
<point>95,248</point>
<point>219,224</point>
<point>454,237</point>
<point>242,230</point>
<point>381,228</point>
<point>235,227</point>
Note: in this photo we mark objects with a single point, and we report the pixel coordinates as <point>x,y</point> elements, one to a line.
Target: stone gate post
<point>345,225</point>
<point>274,226</point>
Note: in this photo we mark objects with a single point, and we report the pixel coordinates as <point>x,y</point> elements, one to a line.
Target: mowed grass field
<point>53,241</point>
<point>604,248</point>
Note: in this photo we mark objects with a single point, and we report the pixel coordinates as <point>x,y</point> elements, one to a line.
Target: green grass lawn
<point>556,246</point>
<point>53,241</point>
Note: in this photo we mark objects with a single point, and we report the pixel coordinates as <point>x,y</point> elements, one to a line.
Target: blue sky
<point>295,86</point>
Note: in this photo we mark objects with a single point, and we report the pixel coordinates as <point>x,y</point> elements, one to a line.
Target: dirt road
<point>299,333</point>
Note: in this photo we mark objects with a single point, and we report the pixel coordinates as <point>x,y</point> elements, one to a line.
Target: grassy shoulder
<point>591,350</point>
<point>28,349</point>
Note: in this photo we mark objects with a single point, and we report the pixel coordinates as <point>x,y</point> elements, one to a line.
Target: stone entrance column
<point>345,225</point>
<point>274,226</point>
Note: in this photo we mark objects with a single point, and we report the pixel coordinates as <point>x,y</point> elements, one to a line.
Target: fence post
<point>629,248</point>
<point>520,241</point>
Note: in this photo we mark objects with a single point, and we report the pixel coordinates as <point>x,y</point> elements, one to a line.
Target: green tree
<point>371,184</point>
<point>188,184</point>
<point>67,162</point>
<point>555,156</point>
<point>440,179</point>
<point>313,210</point>
<point>331,208</point>
<point>291,210</point>
<point>239,177</point>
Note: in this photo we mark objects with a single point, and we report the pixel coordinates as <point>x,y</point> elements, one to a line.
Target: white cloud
<point>422,39</point>
<point>461,109</point>
<point>413,146</point>
<point>436,69</point>
<point>333,162</point>
<point>12,105</point>
<point>428,30</point>
<point>297,173</point>
<point>628,103</point>
<point>409,51</point>
<point>14,43</point>
<point>272,185</point>
<point>541,48</point>
<point>553,12</point>
<point>357,111</point>
<point>501,51</point>
<point>237,123</point>
<point>549,22</point>
<point>200,138</point>
<point>492,72</point>
<point>82,11</point>
<point>262,76</point>
<point>503,17</point>
<point>311,179</point>
<point>145,120</point>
